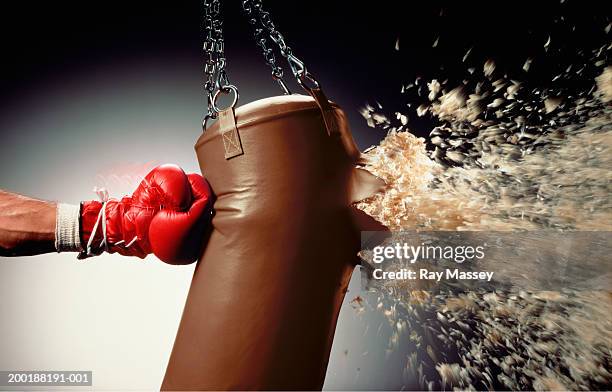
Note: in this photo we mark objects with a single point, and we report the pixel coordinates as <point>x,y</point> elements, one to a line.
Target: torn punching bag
<point>266,293</point>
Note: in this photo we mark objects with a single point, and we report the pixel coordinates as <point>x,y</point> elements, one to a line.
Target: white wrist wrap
<point>67,238</point>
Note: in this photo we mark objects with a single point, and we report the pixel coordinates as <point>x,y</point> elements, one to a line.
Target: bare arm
<point>27,226</point>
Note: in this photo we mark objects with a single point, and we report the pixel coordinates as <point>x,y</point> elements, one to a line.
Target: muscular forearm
<point>27,226</point>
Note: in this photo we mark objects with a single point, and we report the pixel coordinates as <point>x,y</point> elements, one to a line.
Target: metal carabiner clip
<point>305,77</point>
<point>296,65</point>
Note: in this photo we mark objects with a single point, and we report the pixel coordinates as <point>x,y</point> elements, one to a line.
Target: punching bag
<point>266,293</point>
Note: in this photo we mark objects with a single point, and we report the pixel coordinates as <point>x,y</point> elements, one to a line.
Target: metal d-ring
<point>225,89</point>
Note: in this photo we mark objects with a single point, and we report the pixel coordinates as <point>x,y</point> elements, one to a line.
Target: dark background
<point>349,45</point>
<point>97,93</point>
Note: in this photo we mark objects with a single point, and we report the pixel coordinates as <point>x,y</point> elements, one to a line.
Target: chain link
<point>214,52</point>
<point>261,38</point>
<point>264,29</point>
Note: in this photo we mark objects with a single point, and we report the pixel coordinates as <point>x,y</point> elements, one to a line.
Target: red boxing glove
<point>166,215</point>
<point>174,234</point>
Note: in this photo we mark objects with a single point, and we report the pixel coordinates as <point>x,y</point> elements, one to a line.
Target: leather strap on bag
<point>229,133</point>
<point>327,111</point>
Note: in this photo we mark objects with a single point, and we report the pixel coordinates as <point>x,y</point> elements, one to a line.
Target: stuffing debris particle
<point>504,157</point>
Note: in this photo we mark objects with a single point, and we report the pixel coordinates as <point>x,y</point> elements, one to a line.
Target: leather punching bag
<point>266,293</point>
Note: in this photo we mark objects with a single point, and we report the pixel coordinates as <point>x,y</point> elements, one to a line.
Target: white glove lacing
<point>67,230</point>
<point>104,198</point>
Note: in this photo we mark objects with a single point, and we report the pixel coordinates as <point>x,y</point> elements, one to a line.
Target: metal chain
<point>264,28</point>
<point>217,80</point>
<point>214,63</point>
<point>262,40</point>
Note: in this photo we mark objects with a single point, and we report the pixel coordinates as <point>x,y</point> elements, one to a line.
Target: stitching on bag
<point>231,143</point>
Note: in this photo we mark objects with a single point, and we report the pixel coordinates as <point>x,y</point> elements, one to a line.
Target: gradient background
<point>98,93</point>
